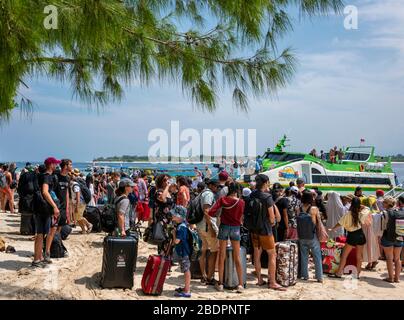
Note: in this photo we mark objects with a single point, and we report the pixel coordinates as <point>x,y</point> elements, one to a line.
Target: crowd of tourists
<point>220,211</point>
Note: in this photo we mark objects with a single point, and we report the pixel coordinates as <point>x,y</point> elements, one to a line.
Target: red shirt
<point>181,200</point>
<point>232,211</point>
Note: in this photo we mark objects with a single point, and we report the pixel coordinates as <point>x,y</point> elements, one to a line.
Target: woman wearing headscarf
<point>335,211</point>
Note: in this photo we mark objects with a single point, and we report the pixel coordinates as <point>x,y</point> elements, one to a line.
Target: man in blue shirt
<point>182,248</point>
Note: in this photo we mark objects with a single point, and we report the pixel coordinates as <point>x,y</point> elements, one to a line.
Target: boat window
<point>356,156</point>
<point>350,180</point>
<point>274,156</point>
<point>290,157</point>
<point>315,171</point>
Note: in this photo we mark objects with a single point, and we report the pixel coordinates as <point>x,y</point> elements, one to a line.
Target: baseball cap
<point>277,186</point>
<point>294,189</point>
<point>380,193</point>
<point>246,192</point>
<point>179,211</point>
<point>223,176</point>
<point>213,181</point>
<point>125,182</point>
<point>51,160</point>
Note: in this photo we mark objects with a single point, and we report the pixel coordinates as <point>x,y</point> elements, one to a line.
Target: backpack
<point>195,243</point>
<point>57,249</point>
<point>195,210</point>
<point>109,220</point>
<point>399,228</point>
<point>26,190</point>
<point>255,215</point>
<point>85,191</point>
<point>3,180</point>
<point>305,226</point>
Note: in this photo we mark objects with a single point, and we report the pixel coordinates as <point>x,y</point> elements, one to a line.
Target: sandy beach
<point>77,277</point>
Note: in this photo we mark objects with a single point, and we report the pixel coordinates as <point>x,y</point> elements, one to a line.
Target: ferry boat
<point>358,167</point>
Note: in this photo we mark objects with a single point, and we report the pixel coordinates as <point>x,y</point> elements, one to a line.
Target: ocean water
<point>186,169</point>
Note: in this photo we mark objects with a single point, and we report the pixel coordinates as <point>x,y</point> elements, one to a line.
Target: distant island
<point>396,158</point>
<point>126,158</point>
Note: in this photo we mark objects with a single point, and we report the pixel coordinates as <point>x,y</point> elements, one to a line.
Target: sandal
<point>262,284</point>
<point>210,282</point>
<point>277,288</point>
<point>388,280</point>
<point>179,289</point>
<point>334,275</point>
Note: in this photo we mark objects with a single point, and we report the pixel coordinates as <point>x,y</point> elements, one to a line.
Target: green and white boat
<point>358,167</point>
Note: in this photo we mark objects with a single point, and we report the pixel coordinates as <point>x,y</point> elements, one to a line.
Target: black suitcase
<point>27,225</point>
<point>118,264</point>
<point>93,215</point>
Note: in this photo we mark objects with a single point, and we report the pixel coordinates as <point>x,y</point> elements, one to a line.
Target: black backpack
<point>65,231</point>
<point>85,191</point>
<point>57,249</point>
<point>195,210</point>
<point>109,220</point>
<point>26,191</point>
<point>255,215</point>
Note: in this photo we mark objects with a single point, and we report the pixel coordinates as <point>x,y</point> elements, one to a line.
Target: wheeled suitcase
<point>196,272</point>
<point>155,274</point>
<point>27,225</point>
<point>118,262</point>
<point>230,273</point>
<point>93,215</point>
<point>287,263</point>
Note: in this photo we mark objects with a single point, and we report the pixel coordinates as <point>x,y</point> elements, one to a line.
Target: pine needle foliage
<point>102,46</point>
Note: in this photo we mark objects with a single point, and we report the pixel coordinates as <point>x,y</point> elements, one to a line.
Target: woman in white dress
<point>335,211</point>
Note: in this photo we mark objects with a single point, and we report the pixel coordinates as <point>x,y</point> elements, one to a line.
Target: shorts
<point>229,232</point>
<point>356,238</point>
<point>185,264</point>
<point>209,240</point>
<point>78,215</point>
<point>42,223</point>
<point>266,242</point>
<point>388,244</point>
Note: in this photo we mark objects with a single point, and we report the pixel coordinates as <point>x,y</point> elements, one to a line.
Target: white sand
<point>77,276</point>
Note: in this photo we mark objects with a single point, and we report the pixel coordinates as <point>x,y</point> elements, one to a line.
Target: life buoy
<point>362,168</point>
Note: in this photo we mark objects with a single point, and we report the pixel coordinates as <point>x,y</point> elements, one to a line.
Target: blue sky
<point>349,85</point>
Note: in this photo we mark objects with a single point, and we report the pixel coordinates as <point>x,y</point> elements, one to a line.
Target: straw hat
<point>76,172</point>
<point>390,201</point>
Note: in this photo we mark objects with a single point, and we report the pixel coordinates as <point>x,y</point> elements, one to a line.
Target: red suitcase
<point>155,274</point>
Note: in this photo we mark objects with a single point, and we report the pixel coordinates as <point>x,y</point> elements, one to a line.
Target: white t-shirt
<point>207,198</point>
<point>76,188</point>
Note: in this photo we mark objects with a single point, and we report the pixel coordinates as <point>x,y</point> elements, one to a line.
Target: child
<point>182,249</point>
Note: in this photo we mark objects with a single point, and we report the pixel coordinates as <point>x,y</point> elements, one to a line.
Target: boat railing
<point>396,192</point>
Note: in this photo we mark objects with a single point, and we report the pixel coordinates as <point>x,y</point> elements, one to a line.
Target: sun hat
<point>179,211</point>
<point>76,172</point>
<point>125,182</point>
